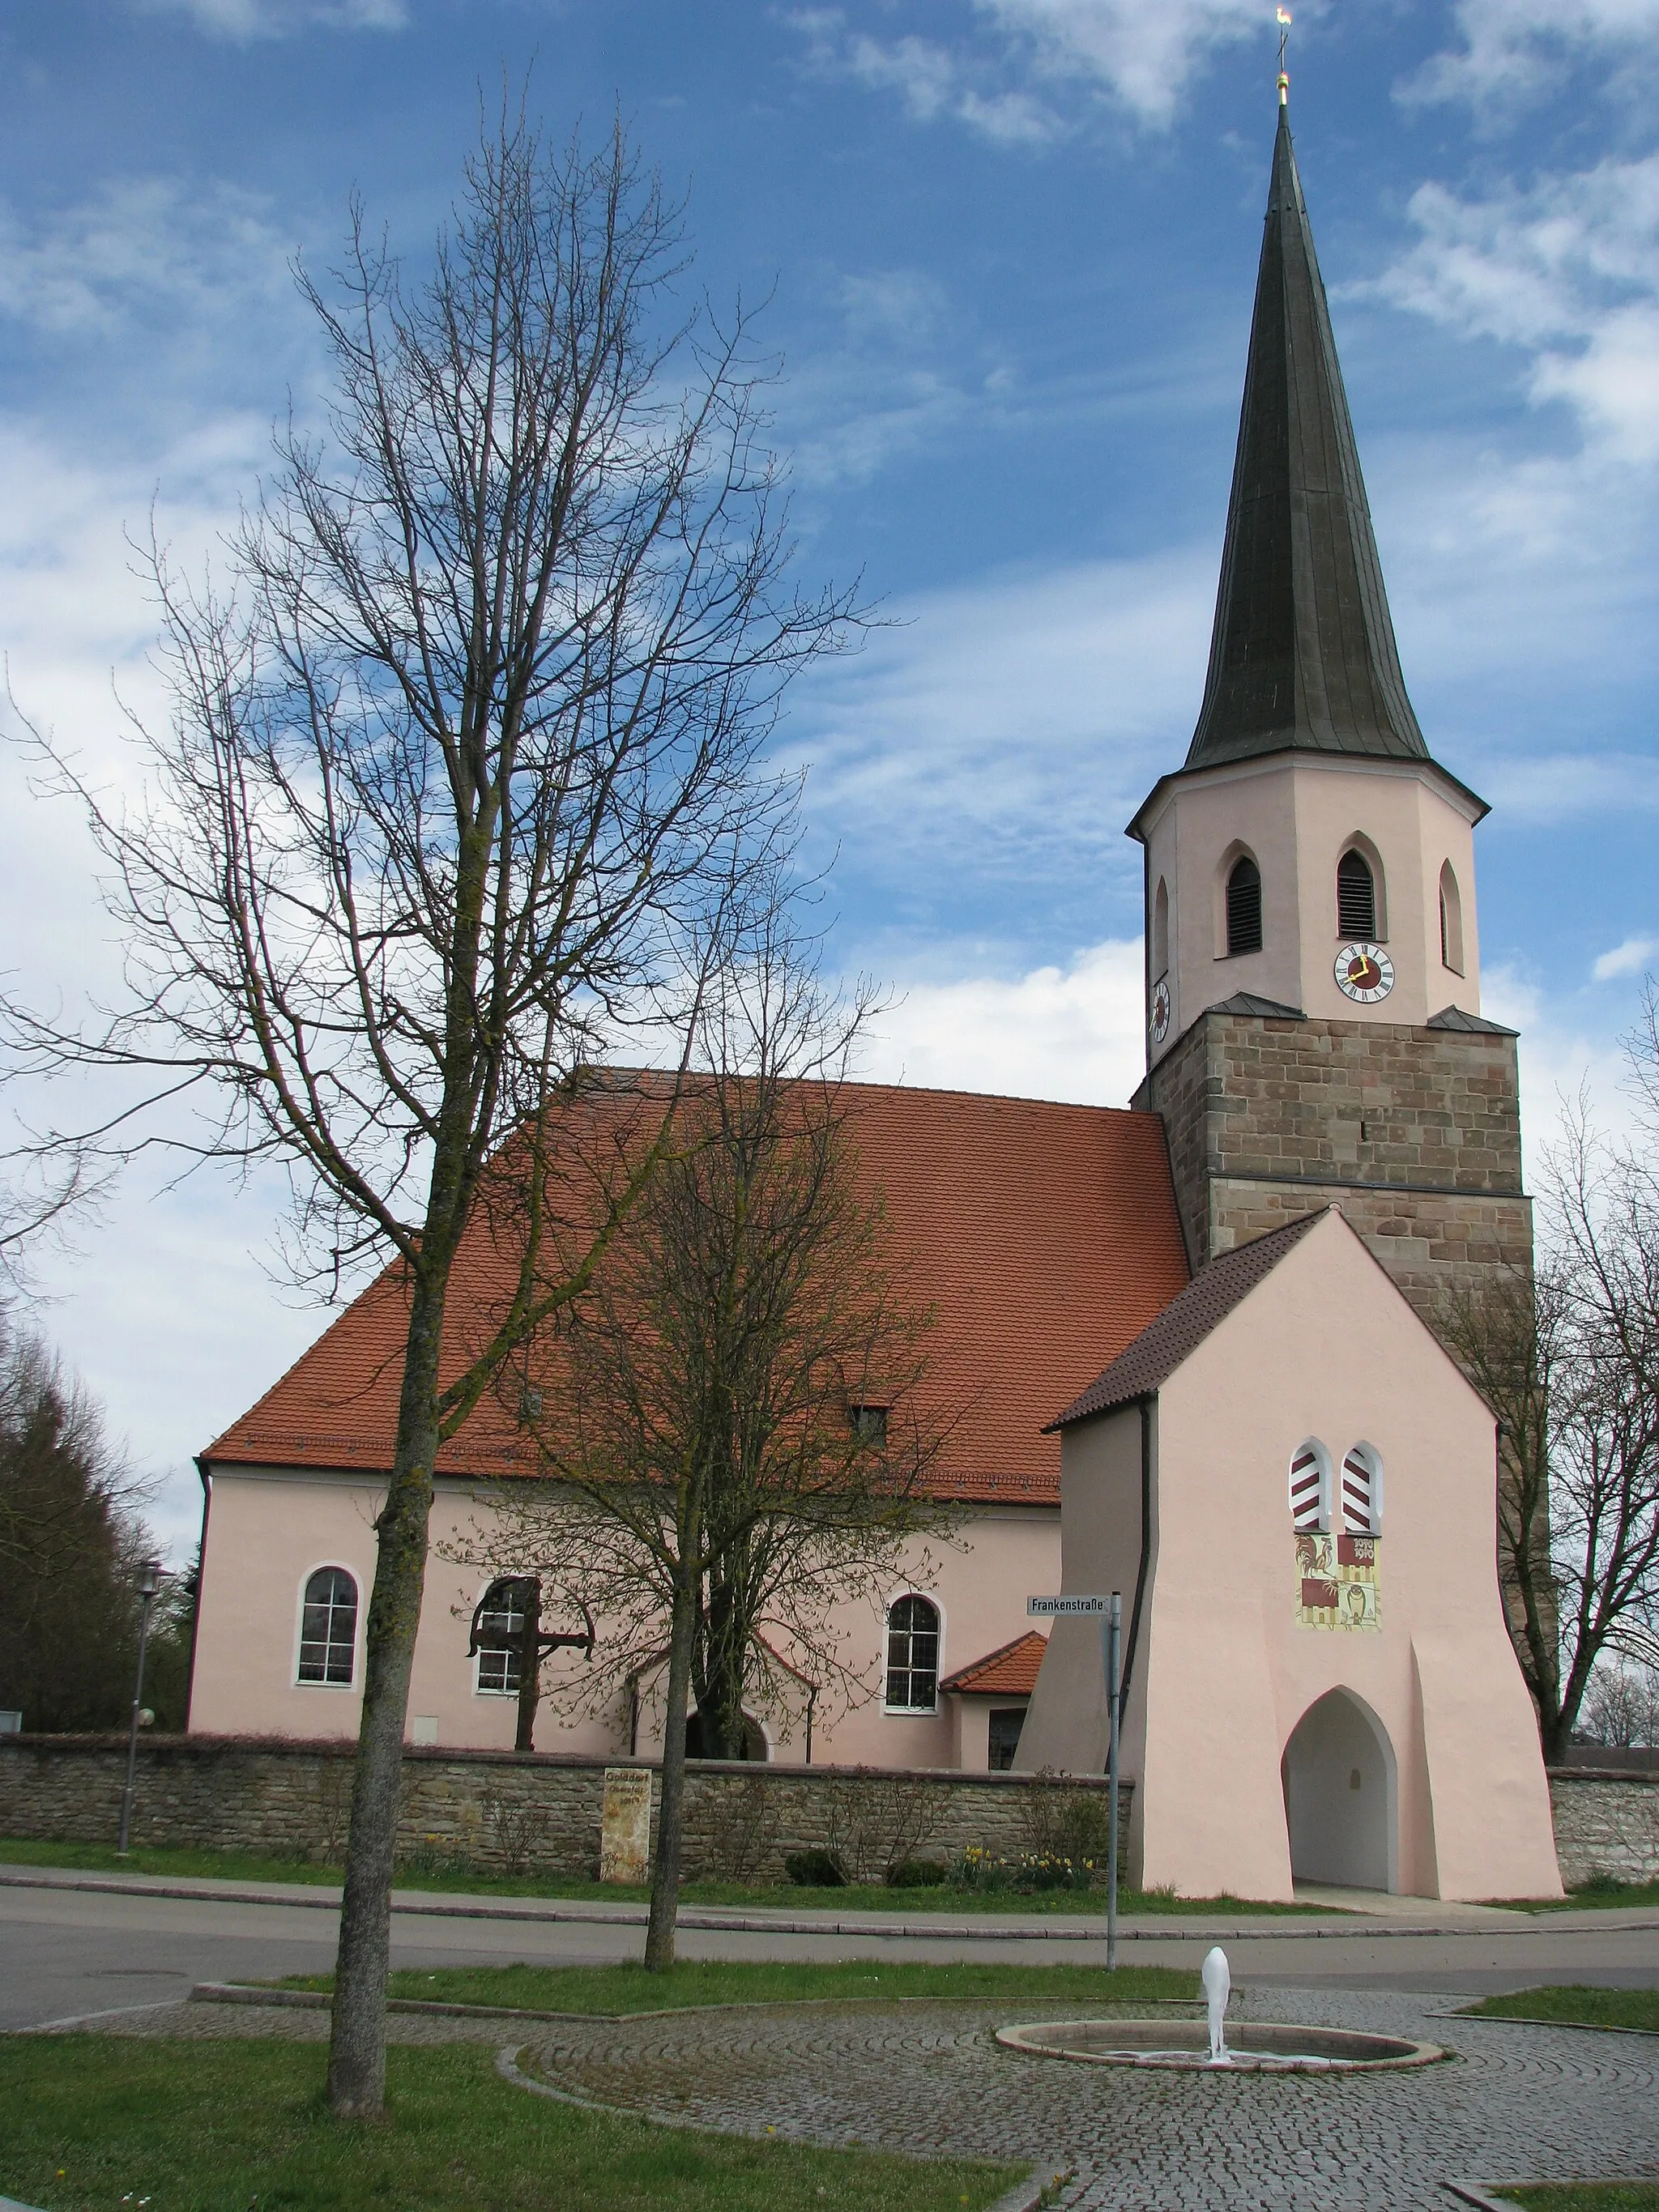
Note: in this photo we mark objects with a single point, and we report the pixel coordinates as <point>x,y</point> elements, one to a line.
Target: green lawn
<point>247,1866</point>
<point>100,2124</point>
<point>1587,2197</point>
<point>1581,2003</point>
<point>1604,1891</point>
<point>720,1981</point>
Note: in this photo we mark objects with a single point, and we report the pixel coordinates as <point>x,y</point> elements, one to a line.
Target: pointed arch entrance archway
<point>1341,1800</point>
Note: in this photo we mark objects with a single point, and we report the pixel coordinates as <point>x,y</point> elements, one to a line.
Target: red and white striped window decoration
<point>1308,1494</point>
<point>1360,1488</point>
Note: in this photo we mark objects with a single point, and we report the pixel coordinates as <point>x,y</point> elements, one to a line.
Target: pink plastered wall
<point>1324,1347</point>
<point>269,1531</point>
<point>1296,814</point>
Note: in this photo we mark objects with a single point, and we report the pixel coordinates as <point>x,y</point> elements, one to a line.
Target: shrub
<point>917,1874</point>
<point>816,1870</point>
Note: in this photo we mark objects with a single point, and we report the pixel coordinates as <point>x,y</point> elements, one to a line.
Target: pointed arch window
<point>1161,931</point>
<point>1310,1487</point>
<point>1362,1492</point>
<point>1244,907</point>
<point>328,1628</point>
<point>1451,922</point>
<point>1356,896</point>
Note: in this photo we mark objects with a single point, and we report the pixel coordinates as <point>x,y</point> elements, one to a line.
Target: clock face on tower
<point>1160,1009</point>
<point>1364,972</point>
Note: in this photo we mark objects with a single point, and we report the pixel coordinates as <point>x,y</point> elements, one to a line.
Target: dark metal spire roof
<point>1302,652</point>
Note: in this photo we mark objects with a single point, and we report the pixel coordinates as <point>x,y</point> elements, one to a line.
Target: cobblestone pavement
<point>929,2078</point>
<point>1516,2101</point>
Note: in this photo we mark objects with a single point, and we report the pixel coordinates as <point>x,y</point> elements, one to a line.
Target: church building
<point>1188,1346</point>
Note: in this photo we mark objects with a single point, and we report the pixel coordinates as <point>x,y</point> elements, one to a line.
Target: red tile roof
<point>1177,1332</point>
<point>1045,1236</point>
<point>1009,1672</point>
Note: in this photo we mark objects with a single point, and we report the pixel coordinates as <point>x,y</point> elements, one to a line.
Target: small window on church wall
<point>912,1656</point>
<point>1311,1488</point>
<point>1451,922</point>
<point>1161,931</point>
<point>1244,907</point>
<point>1356,897</point>
<point>1362,1492</point>
<point>328,1628</point>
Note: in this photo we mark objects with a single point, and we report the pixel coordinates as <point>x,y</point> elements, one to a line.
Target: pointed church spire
<point>1302,654</point>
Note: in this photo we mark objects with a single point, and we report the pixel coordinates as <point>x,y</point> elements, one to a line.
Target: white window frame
<point>912,1712</point>
<point>480,1687</point>
<point>358,1628</point>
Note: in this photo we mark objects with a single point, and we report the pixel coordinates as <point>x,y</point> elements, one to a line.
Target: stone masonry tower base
<point>1415,1133</point>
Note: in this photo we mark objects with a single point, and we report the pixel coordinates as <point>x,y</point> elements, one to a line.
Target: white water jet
<point>1217,1988</point>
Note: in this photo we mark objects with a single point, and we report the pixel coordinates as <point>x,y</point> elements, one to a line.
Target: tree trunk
<point>530,1665</point>
<point>356,2060</point>
<point>671,1811</point>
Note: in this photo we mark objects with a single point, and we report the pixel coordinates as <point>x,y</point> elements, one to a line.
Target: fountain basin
<point>1253,2046</point>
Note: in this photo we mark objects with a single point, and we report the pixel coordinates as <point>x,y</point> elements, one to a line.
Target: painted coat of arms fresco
<point>1337,1582</point>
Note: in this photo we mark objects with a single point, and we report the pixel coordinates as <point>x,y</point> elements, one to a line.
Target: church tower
<point>1313,977</point>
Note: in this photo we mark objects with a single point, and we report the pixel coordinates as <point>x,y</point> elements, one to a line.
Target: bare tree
<point>462,780</point>
<point>1569,1363</point>
<point>731,1420</point>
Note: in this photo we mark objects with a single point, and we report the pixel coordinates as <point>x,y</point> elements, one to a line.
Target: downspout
<point>1146,1405</point>
<point>201,1585</point>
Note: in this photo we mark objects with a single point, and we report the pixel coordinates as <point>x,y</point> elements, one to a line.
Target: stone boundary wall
<point>515,1813</point>
<point>1607,1822</point>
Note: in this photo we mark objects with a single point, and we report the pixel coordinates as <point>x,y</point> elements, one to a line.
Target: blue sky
<point>1010,246</point>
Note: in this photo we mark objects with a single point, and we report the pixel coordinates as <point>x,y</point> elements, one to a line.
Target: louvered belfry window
<point>1244,907</point>
<point>1356,897</point>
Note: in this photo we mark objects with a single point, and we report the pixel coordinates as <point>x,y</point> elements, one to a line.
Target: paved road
<point>69,1950</point>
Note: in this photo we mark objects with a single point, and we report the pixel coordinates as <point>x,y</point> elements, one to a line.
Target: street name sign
<point>1037,1607</point>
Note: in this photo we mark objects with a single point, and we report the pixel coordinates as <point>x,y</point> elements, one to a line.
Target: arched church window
<point>1310,1487</point>
<point>1161,931</point>
<point>328,1628</point>
<point>501,1634</point>
<point>1244,907</point>
<point>1356,896</point>
<point>1451,922</point>
<point>1362,1492</point>
<point>912,1656</point>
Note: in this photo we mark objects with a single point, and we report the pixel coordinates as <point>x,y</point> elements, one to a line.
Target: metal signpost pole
<point>149,1580</point>
<point>1111,1630</point>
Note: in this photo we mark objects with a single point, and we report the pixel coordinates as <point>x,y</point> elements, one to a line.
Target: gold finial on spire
<point>1284,15</point>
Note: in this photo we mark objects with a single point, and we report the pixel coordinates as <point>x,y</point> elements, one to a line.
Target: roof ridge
<point>1169,1339</point>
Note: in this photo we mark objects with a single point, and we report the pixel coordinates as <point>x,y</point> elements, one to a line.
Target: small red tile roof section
<point>1010,1671</point>
<point>1183,1326</point>
<point>1044,1235</point>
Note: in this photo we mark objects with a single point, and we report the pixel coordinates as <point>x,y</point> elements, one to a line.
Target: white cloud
<point>137,245</point>
<point>1013,83</point>
<point>1514,50</point>
<point>246,20</point>
<point>1073,1033</point>
<point>1017,722</point>
<point>1568,272</point>
<point>1632,957</point>
<point>1560,1056</point>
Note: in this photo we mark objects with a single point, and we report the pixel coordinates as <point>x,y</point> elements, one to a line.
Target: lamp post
<point>149,1580</point>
